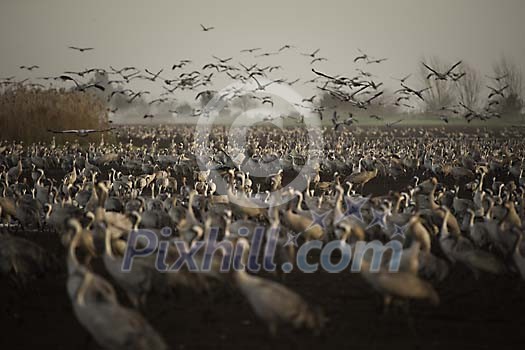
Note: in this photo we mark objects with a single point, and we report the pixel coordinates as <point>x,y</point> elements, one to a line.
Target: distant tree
<point>442,91</point>
<point>184,109</point>
<point>326,100</point>
<point>511,76</point>
<point>469,87</point>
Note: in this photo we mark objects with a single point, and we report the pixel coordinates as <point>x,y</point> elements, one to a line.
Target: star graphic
<point>378,218</point>
<point>354,207</point>
<point>319,219</point>
<point>400,231</point>
<point>292,239</point>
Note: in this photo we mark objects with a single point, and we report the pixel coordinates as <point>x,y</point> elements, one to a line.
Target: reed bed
<point>26,114</point>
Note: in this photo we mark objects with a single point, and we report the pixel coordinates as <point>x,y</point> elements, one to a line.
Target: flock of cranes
<point>360,91</point>
<point>464,206</point>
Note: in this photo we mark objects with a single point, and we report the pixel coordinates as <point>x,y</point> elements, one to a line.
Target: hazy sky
<point>155,34</point>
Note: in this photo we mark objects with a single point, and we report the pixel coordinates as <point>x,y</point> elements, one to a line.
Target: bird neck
<point>299,201</point>
<point>471,219</point>
<point>72,256</point>
<point>108,247</point>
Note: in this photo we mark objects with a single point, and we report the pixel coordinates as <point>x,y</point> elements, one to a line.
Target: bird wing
<point>334,117</point>
<point>257,81</point>
<point>72,131</point>
<point>322,74</point>
<point>65,77</point>
<point>430,69</point>
<point>147,71</point>
<point>100,87</point>
<point>397,122</point>
<point>375,96</point>
<point>454,66</point>
<point>199,94</point>
<point>467,108</point>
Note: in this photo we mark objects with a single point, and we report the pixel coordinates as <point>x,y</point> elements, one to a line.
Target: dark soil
<point>482,314</point>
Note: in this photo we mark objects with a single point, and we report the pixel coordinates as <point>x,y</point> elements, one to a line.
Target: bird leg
<point>272,327</point>
<point>387,300</point>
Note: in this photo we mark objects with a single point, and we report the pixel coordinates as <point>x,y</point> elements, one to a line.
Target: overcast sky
<point>155,34</point>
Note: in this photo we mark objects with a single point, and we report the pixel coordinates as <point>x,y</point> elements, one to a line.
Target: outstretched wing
<point>375,96</point>
<point>62,131</point>
<point>467,108</point>
<point>96,86</point>
<point>199,95</point>
<point>94,131</point>
<point>322,74</point>
<point>396,122</point>
<point>106,130</point>
<point>430,69</point>
<point>454,66</point>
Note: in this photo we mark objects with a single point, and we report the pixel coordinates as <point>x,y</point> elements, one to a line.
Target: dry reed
<point>27,113</point>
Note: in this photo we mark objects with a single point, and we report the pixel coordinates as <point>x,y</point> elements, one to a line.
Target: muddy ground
<point>483,314</point>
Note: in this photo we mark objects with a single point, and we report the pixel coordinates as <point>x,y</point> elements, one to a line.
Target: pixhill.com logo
<point>201,256</point>
<point>223,255</point>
